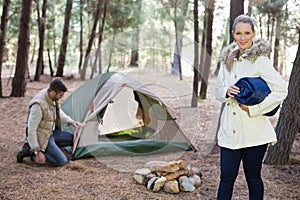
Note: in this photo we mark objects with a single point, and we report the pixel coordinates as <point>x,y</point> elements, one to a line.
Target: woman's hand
<point>244,108</point>
<point>232,90</point>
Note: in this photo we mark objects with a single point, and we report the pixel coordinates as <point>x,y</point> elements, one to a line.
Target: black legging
<point>252,158</point>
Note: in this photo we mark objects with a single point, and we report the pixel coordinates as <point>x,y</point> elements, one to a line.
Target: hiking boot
<point>25,152</point>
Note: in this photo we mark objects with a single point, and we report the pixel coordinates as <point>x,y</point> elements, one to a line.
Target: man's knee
<point>61,162</point>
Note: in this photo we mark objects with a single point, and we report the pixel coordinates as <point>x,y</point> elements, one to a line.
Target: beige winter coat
<point>238,129</point>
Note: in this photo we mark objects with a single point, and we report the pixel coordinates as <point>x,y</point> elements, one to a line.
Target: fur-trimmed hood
<point>260,47</point>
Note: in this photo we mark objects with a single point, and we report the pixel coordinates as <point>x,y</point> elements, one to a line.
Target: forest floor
<point>111,177</point>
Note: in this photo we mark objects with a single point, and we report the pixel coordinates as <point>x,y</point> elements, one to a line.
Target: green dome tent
<point>121,116</point>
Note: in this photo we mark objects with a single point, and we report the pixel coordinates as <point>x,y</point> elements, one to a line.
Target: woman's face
<point>243,35</point>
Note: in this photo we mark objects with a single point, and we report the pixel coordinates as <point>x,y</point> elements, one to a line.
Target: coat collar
<point>260,47</point>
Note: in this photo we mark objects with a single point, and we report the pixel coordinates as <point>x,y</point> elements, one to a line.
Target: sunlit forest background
<point>147,29</point>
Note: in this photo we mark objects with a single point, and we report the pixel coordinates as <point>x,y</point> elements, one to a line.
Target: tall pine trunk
<point>4,19</point>
<point>19,80</point>
<point>98,52</point>
<point>289,119</point>
<point>179,23</point>
<point>91,40</point>
<point>41,25</point>
<point>207,62</point>
<point>277,40</point>
<point>64,42</point>
<point>196,56</point>
<point>81,37</point>
<point>236,9</point>
<point>135,37</point>
<point>203,46</point>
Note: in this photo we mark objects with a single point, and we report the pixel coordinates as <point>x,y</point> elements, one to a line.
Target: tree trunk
<point>277,40</point>
<point>179,23</point>
<point>91,40</point>
<point>81,37</point>
<point>54,39</point>
<point>111,52</point>
<point>19,80</point>
<point>98,51</point>
<point>206,67</point>
<point>196,56</point>
<point>41,25</point>
<point>4,19</point>
<point>203,46</point>
<point>177,54</point>
<point>135,37</point>
<point>50,63</point>
<point>100,38</point>
<point>134,51</point>
<point>268,27</point>
<point>64,42</point>
<point>249,13</point>
<point>260,26</point>
<point>236,9</point>
<point>289,119</point>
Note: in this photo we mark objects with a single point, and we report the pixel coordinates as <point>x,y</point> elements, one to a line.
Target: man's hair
<point>57,85</point>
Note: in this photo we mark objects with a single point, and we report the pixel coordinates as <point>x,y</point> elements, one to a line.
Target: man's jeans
<point>53,153</point>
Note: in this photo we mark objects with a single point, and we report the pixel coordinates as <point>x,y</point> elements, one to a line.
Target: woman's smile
<point>243,35</point>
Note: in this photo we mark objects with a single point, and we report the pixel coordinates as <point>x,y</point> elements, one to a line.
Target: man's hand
<point>40,158</point>
<point>76,124</point>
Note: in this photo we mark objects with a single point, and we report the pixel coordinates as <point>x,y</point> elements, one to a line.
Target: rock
<point>148,177</point>
<point>140,175</point>
<point>195,180</point>
<point>171,166</point>
<point>174,175</point>
<point>194,171</point>
<point>185,185</point>
<point>171,187</point>
<point>151,182</point>
<point>152,165</point>
<point>159,183</point>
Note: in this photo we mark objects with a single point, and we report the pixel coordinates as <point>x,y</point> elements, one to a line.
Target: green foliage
<point>120,15</point>
<point>273,7</point>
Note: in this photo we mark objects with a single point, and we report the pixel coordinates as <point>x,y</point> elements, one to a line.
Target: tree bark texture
<point>289,119</point>
<point>19,80</point>
<point>207,62</point>
<point>203,46</point>
<point>236,9</point>
<point>91,40</point>
<point>196,56</point>
<point>277,40</point>
<point>179,23</point>
<point>101,29</point>
<point>81,36</point>
<point>135,37</point>
<point>64,42</point>
<point>41,23</point>
<point>4,19</point>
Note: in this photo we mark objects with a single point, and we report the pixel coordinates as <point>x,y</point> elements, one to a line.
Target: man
<point>44,137</point>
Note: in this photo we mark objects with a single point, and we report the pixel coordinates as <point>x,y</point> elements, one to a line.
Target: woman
<point>245,132</point>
